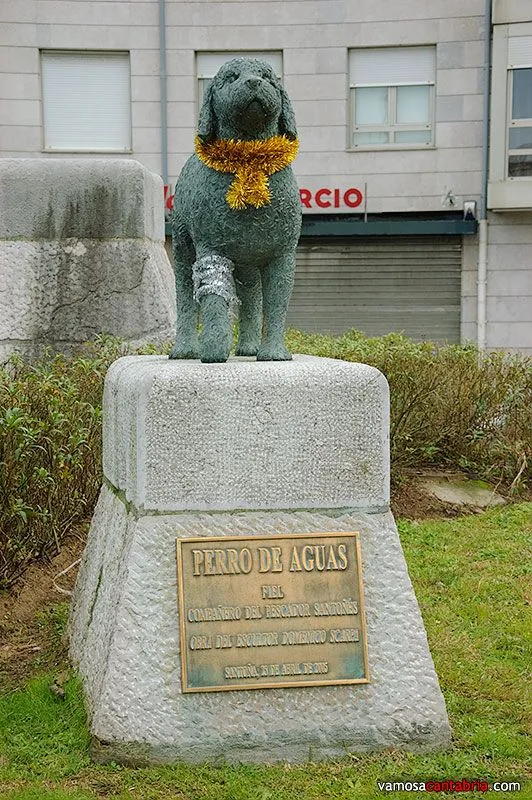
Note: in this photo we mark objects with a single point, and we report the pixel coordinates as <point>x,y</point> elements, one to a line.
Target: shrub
<point>450,407</point>
<point>50,446</point>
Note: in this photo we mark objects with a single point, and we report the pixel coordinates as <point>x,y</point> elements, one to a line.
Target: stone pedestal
<point>82,252</point>
<point>244,448</point>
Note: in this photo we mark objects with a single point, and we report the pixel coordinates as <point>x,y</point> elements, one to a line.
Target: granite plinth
<point>124,625</point>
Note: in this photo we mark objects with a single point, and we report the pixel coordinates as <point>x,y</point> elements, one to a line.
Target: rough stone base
<point>62,294</point>
<point>82,253</point>
<point>125,641</point>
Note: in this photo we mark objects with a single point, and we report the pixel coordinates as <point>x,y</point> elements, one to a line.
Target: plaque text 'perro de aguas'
<point>271,611</point>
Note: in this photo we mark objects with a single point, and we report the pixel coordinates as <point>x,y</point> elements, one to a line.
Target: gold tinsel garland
<point>251,163</point>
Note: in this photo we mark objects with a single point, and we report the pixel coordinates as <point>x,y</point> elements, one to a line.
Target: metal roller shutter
<point>379,285</point>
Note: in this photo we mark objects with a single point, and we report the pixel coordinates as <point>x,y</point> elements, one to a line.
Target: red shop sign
<point>321,198</point>
<point>331,198</point>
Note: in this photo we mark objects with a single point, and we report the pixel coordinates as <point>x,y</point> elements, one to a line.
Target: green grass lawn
<point>471,577</point>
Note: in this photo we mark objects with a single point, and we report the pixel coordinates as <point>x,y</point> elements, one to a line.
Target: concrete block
<point>15,59</point>
<point>321,87</point>
<point>511,11</point>
<point>144,87</point>
<point>450,108</point>
<point>509,218</point>
<point>513,336</point>
<point>182,88</point>
<point>510,309</point>
<point>515,283</point>
<point>20,139</point>
<point>310,433</point>
<point>82,252</point>
<point>56,198</point>
<point>321,60</point>
<point>125,642</point>
<point>459,81</point>
<point>20,112</point>
<point>310,113</point>
<point>24,85</point>
<point>452,161</point>
<point>511,234</point>
<point>469,283</point>
<point>145,113</point>
<point>329,139</point>
<point>61,294</point>
<point>450,55</point>
<point>469,310</point>
<point>507,257</point>
<point>467,133</point>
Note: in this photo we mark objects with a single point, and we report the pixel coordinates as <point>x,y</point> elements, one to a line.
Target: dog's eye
<point>230,77</point>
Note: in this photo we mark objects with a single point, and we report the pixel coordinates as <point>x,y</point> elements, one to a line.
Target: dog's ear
<point>287,119</point>
<point>207,118</point>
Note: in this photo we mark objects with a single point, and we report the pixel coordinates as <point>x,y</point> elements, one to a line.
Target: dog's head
<point>246,100</point>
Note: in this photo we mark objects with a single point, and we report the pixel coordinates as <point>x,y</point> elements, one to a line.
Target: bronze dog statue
<point>237,218</point>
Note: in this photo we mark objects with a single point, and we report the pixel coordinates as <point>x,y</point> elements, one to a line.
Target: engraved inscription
<point>295,598</point>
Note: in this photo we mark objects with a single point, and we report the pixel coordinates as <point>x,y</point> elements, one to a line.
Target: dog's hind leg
<point>249,293</point>
<point>277,282</point>
<point>186,342</point>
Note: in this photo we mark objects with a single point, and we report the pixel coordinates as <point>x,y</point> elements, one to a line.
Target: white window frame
<point>506,192</point>
<point>219,57</point>
<point>525,122</point>
<point>392,126</point>
<point>52,144</point>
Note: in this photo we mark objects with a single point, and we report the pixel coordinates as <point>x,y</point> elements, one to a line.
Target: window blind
<point>390,66</point>
<point>208,64</point>
<point>86,101</point>
<point>519,51</point>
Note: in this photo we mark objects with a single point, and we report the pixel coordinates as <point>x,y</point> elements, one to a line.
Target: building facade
<point>415,127</point>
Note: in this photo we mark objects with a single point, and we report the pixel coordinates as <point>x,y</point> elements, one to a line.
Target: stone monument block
<point>258,454</point>
<point>240,436</point>
<point>82,251</point>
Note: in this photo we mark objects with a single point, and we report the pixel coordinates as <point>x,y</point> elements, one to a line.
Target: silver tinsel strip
<point>213,274</point>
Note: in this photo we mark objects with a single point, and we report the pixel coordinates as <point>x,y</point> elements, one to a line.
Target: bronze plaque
<point>262,612</point>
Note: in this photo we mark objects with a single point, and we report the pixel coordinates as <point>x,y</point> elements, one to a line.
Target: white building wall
<point>509,284</point>
<point>314,37</point>
<point>468,317</point>
<point>509,289</point>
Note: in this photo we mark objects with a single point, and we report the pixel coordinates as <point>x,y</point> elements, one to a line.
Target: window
<point>510,156</point>
<point>86,101</point>
<point>520,107</point>
<point>208,64</point>
<point>392,96</point>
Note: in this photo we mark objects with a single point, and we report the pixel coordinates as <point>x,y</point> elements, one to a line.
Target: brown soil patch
<point>410,500</point>
<point>29,640</point>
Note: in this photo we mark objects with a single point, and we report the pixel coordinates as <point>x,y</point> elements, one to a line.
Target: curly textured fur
<point>246,102</point>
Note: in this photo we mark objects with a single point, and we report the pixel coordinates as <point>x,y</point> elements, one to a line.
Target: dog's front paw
<point>246,349</point>
<point>215,350</point>
<point>184,350</point>
<point>215,345</point>
<point>273,352</point>
<point>216,337</point>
